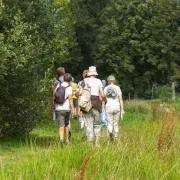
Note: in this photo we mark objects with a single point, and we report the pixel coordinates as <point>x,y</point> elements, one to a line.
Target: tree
<point>138,42</point>
<point>87,23</point>
<point>34,38</point>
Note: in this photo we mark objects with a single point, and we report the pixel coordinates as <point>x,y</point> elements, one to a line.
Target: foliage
<point>139,42</point>
<point>34,38</point>
<point>164,93</point>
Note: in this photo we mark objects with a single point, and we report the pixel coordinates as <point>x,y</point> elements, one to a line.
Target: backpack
<point>85,99</point>
<point>111,92</point>
<point>59,96</point>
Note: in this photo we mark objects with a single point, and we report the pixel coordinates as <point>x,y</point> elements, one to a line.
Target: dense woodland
<point>136,40</point>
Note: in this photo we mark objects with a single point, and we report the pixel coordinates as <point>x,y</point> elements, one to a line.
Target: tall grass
<point>138,106</point>
<point>134,156</point>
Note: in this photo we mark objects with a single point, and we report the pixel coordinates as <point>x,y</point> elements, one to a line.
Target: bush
<point>33,35</point>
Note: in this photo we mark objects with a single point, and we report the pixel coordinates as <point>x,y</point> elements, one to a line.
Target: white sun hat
<point>111,78</point>
<point>92,71</point>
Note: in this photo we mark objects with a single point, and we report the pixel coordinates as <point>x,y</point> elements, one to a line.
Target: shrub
<point>30,46</point>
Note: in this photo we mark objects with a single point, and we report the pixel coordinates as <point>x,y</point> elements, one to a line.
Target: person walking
<point>103,114</point>
<point>60,74</point>
<point>63,104</point>
<point>114,107</point>
<point>92,117</point>
<point>74,90</point>
<point>104,84</point>
<point>81,119</point>
<point>59,80</point>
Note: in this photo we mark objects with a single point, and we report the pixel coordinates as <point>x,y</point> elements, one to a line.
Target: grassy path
<point>135,156</point>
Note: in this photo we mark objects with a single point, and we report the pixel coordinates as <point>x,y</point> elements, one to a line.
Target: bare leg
<point>67,134</point>
<point>61,133</point>
<point>69,126</point>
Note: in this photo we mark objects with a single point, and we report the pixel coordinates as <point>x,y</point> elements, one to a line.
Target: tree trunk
<point>129,96</point>
<point>135,94</point>
<point>173,91</point>
<point>152,92</point>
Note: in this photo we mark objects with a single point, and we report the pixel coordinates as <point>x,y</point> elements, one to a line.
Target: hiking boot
<point>70,134</point>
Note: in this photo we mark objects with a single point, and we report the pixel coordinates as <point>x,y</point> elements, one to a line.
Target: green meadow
<point>148,148</point>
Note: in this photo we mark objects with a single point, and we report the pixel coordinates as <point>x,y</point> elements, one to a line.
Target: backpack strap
<point>66,88</point>
<point>59,86</point>
<point>56,85</point>
<point>59,81</point>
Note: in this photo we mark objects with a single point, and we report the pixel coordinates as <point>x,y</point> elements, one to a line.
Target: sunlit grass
<point>134,156</point>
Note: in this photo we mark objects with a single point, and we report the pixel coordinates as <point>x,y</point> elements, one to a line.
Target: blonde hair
<point>111,78</point>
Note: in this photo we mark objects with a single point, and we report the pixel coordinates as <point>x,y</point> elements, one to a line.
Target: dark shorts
<point>75,103</point>
<point>63,118</point>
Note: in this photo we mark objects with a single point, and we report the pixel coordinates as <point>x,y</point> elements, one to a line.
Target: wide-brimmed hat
<point>92,71</point>
<point>111,78</point>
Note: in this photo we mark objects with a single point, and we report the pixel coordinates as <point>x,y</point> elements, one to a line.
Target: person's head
<point>104,82</point>
<point>60,71</point>
<point>92,71</point>
<point>67,77</point>
<point>111,79</point>
<point>84,74</point>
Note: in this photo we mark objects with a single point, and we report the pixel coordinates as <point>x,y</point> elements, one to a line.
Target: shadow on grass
<point>42,141</point>
<point>12,144</point>
<point>15,144</point>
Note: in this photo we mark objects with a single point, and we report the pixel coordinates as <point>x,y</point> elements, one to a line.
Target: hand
<point>122,112</point>
<point>52,109</point>
<point>80,113</point>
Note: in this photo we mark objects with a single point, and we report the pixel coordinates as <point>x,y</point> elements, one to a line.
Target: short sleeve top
<point>111,101</point>
<point>95,85</point>
<point>66,105</point>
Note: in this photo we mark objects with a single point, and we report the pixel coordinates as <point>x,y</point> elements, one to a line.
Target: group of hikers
<point>90,100</point>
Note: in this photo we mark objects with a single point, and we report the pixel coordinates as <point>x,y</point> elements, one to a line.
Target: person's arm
<point>121,104</point>
<point>102,95</point>
<point>79,92</point>
<point>52,107</point>
<point>79,110</point>
<point>71,104</point>
<point>53,93</point>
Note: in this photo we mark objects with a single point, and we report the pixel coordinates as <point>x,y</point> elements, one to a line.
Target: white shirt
<point>111,101</point>
<point>66,105</point>
<point>95,85</point>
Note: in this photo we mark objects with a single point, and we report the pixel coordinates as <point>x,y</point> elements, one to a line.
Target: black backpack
<point>59,96</point>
